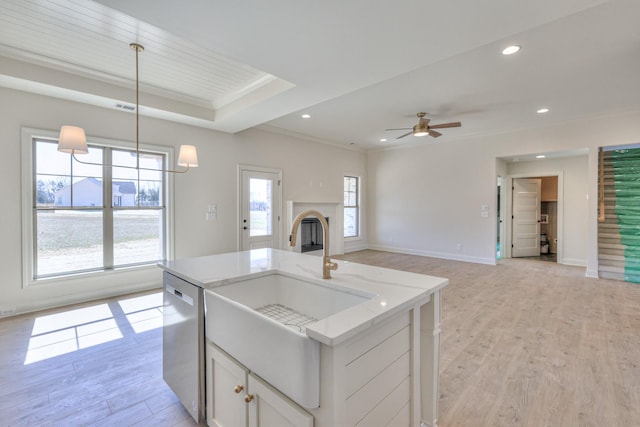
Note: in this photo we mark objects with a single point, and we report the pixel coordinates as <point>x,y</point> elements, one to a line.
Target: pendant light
<point>74,141</point>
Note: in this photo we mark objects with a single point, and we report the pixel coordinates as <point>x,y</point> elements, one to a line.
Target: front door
<point>259,209</point>
<point>526,217</point>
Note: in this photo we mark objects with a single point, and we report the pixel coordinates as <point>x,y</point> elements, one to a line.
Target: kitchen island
<point>377,356</point>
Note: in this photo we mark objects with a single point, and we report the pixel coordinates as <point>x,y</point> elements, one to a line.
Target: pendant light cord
<point>83,149</point>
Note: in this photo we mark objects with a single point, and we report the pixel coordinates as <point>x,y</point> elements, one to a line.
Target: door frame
<point>508,226</point>
<point>501,183</point>
<point>277,233</point>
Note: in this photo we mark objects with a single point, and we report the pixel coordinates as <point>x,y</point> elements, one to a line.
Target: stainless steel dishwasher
<point>183,343</point>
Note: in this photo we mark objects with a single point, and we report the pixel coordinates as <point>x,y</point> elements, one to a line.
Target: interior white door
<point>260,209</point>
<point>526,217</point>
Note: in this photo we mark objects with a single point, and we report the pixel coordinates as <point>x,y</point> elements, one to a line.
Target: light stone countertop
<point>393,291</point>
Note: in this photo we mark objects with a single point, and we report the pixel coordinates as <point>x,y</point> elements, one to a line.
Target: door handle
<point>244,228</point>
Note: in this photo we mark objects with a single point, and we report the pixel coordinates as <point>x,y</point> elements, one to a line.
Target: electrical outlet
<point>458,246</point>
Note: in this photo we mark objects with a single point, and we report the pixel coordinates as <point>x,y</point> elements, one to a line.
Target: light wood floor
<point>97,364</point>
<point>524,343</point>
<point>532,343</point>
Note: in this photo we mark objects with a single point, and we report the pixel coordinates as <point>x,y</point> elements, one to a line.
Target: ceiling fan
<point>423,128</point>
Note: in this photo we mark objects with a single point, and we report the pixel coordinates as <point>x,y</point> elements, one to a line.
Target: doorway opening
<point>534,218</point>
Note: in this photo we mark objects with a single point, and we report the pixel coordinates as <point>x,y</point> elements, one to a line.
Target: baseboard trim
<point>574,262</point>
<point>355,246</point>
<point>440,255</point>
<point>592,274</point>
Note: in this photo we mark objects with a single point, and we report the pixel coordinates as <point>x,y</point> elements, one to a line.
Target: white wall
<point>214,181</point>
<point>426,199</point>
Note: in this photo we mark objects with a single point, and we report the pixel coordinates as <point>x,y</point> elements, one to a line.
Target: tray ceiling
<point>357,68</point>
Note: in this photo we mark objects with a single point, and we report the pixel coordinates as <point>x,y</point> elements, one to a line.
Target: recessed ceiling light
<point>383,139</point>
<point>540,156</point>
<point>306,116</point>
<point>510,50</point>
<point>542,110</point>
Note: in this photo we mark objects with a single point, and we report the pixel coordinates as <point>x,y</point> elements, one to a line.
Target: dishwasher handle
<point>178,294</point>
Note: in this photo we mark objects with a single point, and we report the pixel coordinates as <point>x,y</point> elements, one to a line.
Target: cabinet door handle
<point>238,388</point>
<point>248,398</point>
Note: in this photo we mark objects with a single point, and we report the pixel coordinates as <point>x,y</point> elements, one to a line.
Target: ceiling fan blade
<point>446,125</point>
<point>408,133</point>
<point>434,133</point>
<point>399,129</point>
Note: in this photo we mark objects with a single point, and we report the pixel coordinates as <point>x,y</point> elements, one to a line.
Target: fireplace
<point>329,210</point>
<point>311,238</point>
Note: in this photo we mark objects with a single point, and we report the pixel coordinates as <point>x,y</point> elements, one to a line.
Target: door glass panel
<point>260,207</point>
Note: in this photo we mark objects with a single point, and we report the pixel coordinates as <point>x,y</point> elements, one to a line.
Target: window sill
<point>89,275</point>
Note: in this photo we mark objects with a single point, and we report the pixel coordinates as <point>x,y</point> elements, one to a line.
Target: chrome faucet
<point>327,264</point>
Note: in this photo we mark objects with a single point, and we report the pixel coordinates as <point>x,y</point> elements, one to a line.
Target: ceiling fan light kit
<point>423,128</point>
<point>417,131</point>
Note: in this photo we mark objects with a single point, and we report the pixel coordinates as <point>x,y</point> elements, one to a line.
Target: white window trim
<point>358,237</point>
<point>27,163</point>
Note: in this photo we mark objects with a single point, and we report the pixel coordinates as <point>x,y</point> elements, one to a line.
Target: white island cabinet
<point>236,397</point>
<point>377,358</point>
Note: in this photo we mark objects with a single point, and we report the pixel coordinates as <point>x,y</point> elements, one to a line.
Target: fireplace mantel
<point>333,210</point>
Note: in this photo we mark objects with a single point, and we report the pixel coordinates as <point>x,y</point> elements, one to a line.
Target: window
<point>87,218</point>
<point>351,206</point>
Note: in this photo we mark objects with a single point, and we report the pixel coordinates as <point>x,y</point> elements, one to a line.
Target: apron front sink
<point>261,321</point>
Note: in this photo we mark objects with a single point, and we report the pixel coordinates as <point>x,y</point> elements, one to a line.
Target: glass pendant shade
<point>72,140</point>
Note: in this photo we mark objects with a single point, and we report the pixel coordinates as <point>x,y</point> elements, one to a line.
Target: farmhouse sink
<point>261,322</point>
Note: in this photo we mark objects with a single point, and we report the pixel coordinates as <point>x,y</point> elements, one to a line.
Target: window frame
<point>28,183</point>
<point>356,206</point>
